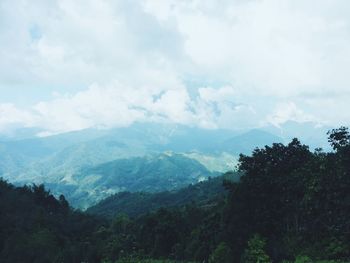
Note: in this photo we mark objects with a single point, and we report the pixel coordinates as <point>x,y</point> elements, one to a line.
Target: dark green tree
<point>339,138</point>
<point>255,252</point>
<point>222,254</point>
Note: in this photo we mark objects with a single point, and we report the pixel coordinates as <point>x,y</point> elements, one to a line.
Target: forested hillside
<point>153,173</point>
<point>205,193</point>
<point>36,227</point>
<point>290,205</point>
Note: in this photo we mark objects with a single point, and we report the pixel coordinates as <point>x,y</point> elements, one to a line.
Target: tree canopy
<point>290,205</point>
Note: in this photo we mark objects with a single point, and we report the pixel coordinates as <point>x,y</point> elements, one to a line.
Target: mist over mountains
<point>89,165</point>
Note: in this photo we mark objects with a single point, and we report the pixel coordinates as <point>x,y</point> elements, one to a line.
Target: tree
<point>255,253</point>
<point>339,138</point>
<point>222,254</point>
<point>64,203</point>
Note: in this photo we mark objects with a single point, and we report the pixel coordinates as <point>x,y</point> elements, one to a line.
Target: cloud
<point>11,116</point>
<point>208,63</point>
<point>81,42</point>
<point>279,48</point>
<point>289,112</point>
<point>115,105</point>
<point>119,105</point>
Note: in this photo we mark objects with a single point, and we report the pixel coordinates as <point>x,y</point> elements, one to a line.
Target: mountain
<point>84,164</point>
<point>311,133</point>
<point>23,157</point>
<point>19,133</point>
<point>246,142</point>
<point>37,227</point>
<point>287,195</point>
<point>135,204</point>
<point>151,173</point>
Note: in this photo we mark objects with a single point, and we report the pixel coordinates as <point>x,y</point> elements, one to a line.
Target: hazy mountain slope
<point>163,171</point>
<point>75,163</point>
<point>246,142</point>
<point>153,173</point>
<point>308,132</point>
<point>185,139</point>
<point>216,163</point>
<point>57,158</point>
<point>15,156</point>
<point>26,158</point>
<point>18,133</point>
<point>135,204</point>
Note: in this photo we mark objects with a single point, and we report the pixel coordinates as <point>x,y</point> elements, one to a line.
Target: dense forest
<point>133,204</point>
<point>290,205</point>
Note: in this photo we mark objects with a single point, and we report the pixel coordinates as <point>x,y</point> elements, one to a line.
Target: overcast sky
<point>68,65</point>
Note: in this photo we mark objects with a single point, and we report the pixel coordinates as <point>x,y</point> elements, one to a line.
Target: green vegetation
<point>206,193</point>
<point>290,205</point>
<point>36,227</point>
<point>222,254</point>
<point>153,173</point>
<point>90,165</point>
<point>255,252</point>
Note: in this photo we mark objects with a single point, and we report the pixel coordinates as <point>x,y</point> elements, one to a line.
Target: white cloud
<point>222,94</point>
<point>108,106</point>
<point>119,105</point>
<point>271,47</point>
<point>289,112</point>
<point>11,116</point>
<point>116,62</point>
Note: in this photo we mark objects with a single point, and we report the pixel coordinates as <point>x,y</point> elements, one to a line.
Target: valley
<point>89,165</point>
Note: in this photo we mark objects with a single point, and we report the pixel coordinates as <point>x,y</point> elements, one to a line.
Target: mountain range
<point>92,164</point>
<point>134,204</point>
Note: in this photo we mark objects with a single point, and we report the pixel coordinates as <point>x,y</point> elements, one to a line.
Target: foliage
<point>222,254</point>
<point>36,227</point>
<point>138,203</point>
<point>339,138</point>
<point>303,259</point>
<point>297,200</point>
<point>255,252</point>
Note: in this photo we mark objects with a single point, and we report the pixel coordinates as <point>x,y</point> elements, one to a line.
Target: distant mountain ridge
<point>244,143</point>
<point>65,162</point>
<point>151,173</point>
<point>135,204</point>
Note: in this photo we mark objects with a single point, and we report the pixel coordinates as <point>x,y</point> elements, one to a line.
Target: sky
<point>67,65</point>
